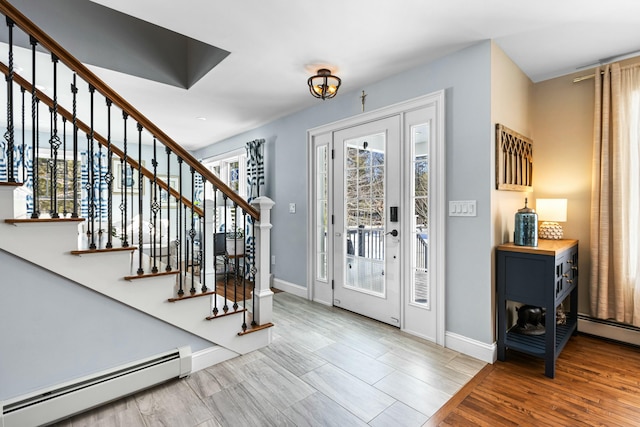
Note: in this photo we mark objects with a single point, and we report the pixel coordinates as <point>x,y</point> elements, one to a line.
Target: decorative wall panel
<point>514,160</point>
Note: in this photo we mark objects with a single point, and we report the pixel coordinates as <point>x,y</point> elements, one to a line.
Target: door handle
<point>394,233</point>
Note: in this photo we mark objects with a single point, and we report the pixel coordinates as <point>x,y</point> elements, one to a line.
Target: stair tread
<point>255,328</point>
<point>189,296</point>
<point>11,184</point>
<point>107,250</point>
<point>41,220</point>
<point>228,313</point>
<point>148,275</point>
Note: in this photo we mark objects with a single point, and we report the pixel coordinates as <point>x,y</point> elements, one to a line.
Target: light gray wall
<point>466,78</point>
<point>55,330</point>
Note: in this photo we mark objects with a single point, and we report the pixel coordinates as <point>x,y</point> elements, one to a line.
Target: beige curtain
<point>615,291</point>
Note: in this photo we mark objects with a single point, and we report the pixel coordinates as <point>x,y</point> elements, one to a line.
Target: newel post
<point>263,305</point>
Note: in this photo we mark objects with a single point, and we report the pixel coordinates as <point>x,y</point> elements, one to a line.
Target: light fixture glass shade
<point>324,85</point>
<point>551,212</point>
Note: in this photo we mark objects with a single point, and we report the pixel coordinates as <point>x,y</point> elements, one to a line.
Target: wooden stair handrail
<point>82,126</point>
<point>70,61</point>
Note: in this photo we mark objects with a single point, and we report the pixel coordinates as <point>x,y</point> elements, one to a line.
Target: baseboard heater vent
<point>50,405</point>
<point>628,334</point>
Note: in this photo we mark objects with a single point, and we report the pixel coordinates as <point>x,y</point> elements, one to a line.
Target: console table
<point>542,276</point>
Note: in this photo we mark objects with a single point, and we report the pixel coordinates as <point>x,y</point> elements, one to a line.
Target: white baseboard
<point>610,330</point>
<point>291,288</point>
<point>482,351</point>
<point>323,302</point>
<point>210,356</point>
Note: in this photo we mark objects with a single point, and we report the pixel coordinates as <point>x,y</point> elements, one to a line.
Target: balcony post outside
<point>263,309</point>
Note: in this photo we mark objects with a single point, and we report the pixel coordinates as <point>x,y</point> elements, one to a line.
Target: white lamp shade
<point>553,210</point>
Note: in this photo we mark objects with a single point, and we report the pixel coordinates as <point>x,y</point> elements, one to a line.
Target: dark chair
<point>220,249</point>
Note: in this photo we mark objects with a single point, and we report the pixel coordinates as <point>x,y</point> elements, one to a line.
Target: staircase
<point>93,191</point>
<point>53,245</point>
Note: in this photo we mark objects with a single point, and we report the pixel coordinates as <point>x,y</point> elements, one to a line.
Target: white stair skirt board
<point>210,356</point>
<point>49,244</point>
<point>610,330</point>
<point>61,401</point>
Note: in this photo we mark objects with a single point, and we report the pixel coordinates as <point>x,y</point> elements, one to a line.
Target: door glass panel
<point>322,216</point>
<point>365,207</point>
<point>420,195</point>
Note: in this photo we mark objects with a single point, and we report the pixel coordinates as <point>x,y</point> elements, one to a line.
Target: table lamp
<point>550,213</point>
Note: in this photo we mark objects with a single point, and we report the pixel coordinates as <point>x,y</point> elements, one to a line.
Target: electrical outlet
<point>273,259</point>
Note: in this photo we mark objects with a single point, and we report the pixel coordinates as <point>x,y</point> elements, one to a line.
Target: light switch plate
<point>462,208</point>
<point>292,208</point>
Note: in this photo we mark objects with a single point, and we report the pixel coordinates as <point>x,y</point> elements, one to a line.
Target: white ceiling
<point>276,45</point>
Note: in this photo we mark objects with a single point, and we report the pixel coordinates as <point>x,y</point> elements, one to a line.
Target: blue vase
<point>526,229</point>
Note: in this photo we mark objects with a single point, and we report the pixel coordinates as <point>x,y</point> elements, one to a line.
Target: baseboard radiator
<point>50,405</point>
<point>608,329</point>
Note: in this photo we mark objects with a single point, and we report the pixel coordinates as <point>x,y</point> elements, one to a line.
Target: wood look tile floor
<point>325,367</point>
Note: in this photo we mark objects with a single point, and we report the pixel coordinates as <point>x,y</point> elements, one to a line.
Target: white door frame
<point>322,292</point>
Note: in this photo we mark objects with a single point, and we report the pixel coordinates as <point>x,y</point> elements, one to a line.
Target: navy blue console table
<point>543,276</point>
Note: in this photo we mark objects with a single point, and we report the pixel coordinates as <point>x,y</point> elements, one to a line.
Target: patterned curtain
<point>255,168</point>
<point>255,178</point>
<point>23,169</point>
<point>100,188</point>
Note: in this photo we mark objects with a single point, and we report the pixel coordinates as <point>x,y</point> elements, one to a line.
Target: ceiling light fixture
<point>324,85</point>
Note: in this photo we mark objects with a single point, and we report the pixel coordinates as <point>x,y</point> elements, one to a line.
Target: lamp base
<point>550,231</point>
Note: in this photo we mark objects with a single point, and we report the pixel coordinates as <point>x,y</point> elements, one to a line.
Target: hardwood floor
<point>329,367</point>
<point>597,383</point>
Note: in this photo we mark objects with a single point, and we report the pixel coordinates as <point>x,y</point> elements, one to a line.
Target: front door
<point>367,219</point>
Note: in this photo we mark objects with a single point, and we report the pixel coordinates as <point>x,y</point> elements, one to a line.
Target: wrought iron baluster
<point>254,271</point>
<point>99,190</point>
<point>215,251</point>
<point>203,243</point>
<point>34,135</point>
<point>155,207</point>
<point>238,279</point>
<point>74,91</point>
<point>91,177</point>
<point>168,267</point>
<point>9,134</point>
<point>50,164</point>
<point>23,154</point>
<point>152,228</point>
<point>36,156</point>
<point>132,203</point>
<point>65,168</point>
<point>140,231</point>
<point>179,244</point>
<point>109,179</point>
<point>54,142</point>
<point>192,233</point>
<point>123,184</point>
<point>225,308</point>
